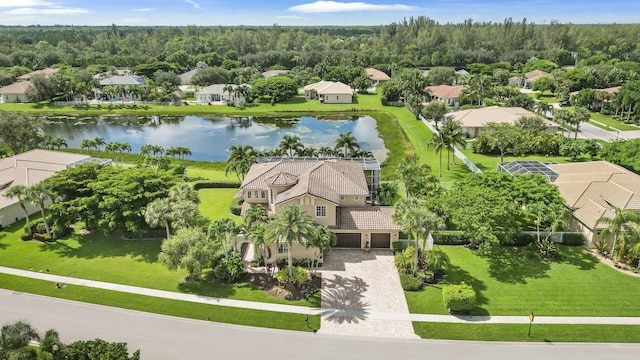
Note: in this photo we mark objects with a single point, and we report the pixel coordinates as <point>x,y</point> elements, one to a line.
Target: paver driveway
<point>355,284</point>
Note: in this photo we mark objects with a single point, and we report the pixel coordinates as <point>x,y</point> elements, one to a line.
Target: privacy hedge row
<point>573,239</point>
<point>449,238</point>
<point>215,185</point>
<point>459,297</point>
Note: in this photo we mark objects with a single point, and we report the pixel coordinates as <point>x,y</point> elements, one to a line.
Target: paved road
<point>163,337</point>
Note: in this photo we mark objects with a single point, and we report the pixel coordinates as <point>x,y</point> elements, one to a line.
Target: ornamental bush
<point>410,282</point>
<point>459,297</point>
<point>573,239</point>
<point>298,278</point>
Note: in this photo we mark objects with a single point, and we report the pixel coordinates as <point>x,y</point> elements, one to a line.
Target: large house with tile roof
<point>28,169</point>
<point>593,190</point>
<point>329,92</point>
<point>528,78</point>
<point>448,94</point>
<point>376,76</point>
<point>334,192</point>
<point>474,120</point>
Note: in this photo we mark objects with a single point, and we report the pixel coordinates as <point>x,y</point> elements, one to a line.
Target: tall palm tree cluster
<point>178,210</point>
<point>448,138</point>
<point>241,157</point>
<point>624,226</point>
<point>37,195</point>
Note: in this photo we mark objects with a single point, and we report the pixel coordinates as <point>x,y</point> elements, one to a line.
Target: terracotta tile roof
<point>327,179</point>
<point>376,75</point>
<point>31,167</point>
<point>281,178</point>
<point>46,72</point>
<point>535,74</point>
<point>446,91</point>
<point>482,116</point>
<point>271,73</point>
<point>329,88</point>
<point>595,189</point>
<point>366,218</point>
<point>19,87</point>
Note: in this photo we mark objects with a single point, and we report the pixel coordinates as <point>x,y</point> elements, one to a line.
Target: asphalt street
<point>163,337</point>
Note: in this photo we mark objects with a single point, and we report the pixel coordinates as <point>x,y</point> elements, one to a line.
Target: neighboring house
<point>271,73</point>
<point>329,92</point>
<point>448,94</point>
<point>462,76</point>
<point>126,81</point>
<point>185,78</point>
<point>611,90</point>
<point>29,168</point>
<point>528,79</point>
<point>216,93</point>
<point>376,76</point>
<point>334,192</point>
<point>473,120</point>
<point>46,72</point>
<point>14,93</point>
<point>593,190</point>
<point>17,92</point>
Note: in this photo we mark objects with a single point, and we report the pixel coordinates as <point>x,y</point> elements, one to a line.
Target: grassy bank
<point>184,309</point>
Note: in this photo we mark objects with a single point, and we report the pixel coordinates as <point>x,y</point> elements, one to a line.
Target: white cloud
<point>49,11</point>
<point>142,10</point>
<point>335,6</point>
<point>25,3</point>
<point>195,4</point>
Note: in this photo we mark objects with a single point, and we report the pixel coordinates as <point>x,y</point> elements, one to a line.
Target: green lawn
<point>199,174</point>
<point>509,284</point>
<point>490,162</point>
<point>184,309</point>
<point>610,123</point>
<point>539,332</point>
<point>111,259</point>
<point>215,203</point>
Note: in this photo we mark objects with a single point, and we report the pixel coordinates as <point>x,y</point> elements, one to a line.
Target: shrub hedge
<point>236,206</point>
<point>459,297</point>
<point>573,239</point>
<point>449,238</point>
<point>215,185</point>
<point>410,282</point>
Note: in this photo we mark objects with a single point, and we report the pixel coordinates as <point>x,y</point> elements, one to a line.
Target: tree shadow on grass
<point>456,275</point>
<point>211,288</point>
<point>342,299</point>
<point>511,265</point>
<point>99,245</point>
<point>578,257</point>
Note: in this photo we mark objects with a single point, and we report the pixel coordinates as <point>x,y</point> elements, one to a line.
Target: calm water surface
<point>208,138</point>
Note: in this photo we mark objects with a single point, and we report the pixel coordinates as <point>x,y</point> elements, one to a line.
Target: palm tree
<point>325,151</point>
<point>418,220</point>
<point>223,230</point>
<point>620,222</point>
<point>478,86</point>
<point>291,225</point>
<point>157,213</point>
<point>348,143</point>
<point>39,194</point>
<point>228,88</point>
<point>120,90</point>
<point>454,138</point>
<point>324,240</point>
<point>290,144</point>
<point>51,142</point>
<point>435,110</point>
<point>180,151</point>
<point>183,192</point>
<point>184,213</point>
<point>16,336</point>
<point>580,115</point>
<point>543,107</point>
<point>87,144</point>
<point>98,143</point>
<point>438,143</point>
<point>145,150</point>
<point>20,192</point>
<point>241,157</point>
<point>255,216</point>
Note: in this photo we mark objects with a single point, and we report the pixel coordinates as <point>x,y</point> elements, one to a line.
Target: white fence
<point>456,152</point>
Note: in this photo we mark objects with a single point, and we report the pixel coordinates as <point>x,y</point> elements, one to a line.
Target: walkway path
<point>376,313</point>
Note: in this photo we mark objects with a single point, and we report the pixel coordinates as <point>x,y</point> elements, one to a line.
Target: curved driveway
<point>163,337</point>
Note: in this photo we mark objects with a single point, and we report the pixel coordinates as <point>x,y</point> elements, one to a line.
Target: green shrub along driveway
<point>509,284</point>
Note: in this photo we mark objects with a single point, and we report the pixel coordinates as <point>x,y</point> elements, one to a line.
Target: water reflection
<point>209,137</point>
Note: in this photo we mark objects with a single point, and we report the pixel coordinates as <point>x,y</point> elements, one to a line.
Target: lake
<point>209,137</point>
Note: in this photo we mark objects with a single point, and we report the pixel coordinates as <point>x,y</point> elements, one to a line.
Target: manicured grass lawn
<point>548,97</point>
<point>215,203</point>
<point>539,332</point>
<point>198,174</point>
<point>184,309</point>
<point>111,259</point>
<point>611,123</point>
<point>509,284</point>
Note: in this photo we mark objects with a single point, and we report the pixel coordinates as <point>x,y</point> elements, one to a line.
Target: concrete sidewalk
<point>373,315</point>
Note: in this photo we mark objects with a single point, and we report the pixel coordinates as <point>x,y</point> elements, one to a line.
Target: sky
<point>309,12</point>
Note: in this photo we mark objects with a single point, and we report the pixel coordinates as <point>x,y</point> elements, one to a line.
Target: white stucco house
<point>222,94</point>
<point>329,92</point>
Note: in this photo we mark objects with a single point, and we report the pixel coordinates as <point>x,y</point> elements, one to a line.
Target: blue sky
<point>309,12</point>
